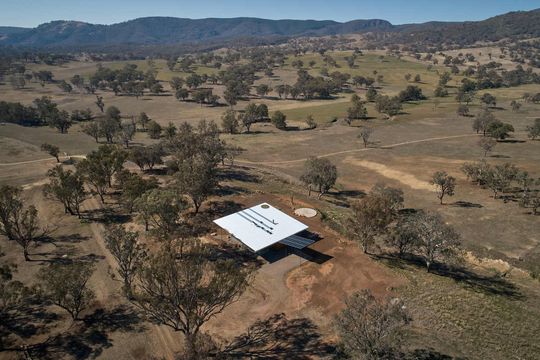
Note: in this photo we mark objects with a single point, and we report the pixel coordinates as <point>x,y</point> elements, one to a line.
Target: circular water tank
<point>306,212</point>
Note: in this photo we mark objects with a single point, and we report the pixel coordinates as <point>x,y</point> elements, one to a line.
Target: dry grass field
<point>477,314</point>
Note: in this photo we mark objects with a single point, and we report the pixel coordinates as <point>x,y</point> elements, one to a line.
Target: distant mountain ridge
<point>9,30</point>
<point>170,30</point>
<point>516,23</point>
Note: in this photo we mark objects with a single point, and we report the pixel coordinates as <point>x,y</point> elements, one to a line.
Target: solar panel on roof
<point>297,242</point>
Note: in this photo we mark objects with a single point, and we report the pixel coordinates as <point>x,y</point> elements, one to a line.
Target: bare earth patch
<point>403,177</point>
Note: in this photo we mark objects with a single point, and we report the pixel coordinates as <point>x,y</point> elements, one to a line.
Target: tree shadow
<point>89,337</point>
<point>487,284</point>
<point>256,132</point>
<point>407,211</point>
<point>352,193</point>
<point>293,128</point>
<point>121,318</point>
<point>67,256</point>
<point>107,215</point>
<point>238,174</point>
<point>158,171</point>
<point>24,322</point>
<point>466,204</point>
<point>361,122</point>
<point>239,254</point>
<point>71,239</point>
<point>428,354</point>
<point>343,198</point>
<point>227,190</point>
<point>279,338</point>
<point>222,208</point>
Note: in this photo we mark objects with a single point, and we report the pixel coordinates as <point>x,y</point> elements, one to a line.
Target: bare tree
<point>127,251</point>
<point>371,328</point>
<point>487,144</point>
<point>183,288</point>
<point>26,229</point>
<point>365,134</point>
<point>436,239</point>
<point>66,286</point>
<point>10,203</point>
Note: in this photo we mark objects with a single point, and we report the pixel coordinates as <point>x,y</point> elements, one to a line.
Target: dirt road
<point>247,162</point>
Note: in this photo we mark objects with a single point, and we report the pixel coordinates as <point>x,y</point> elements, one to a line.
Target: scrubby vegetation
<point>422,157</point>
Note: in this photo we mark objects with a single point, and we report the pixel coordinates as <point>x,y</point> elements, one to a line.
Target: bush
<point>440,92</point>
<point>499,130</point>
<point>279,120</point>
<point>154,130</point>
<point>411,93</point>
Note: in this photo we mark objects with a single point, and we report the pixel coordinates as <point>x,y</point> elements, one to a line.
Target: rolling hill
<point>513,24</point>
<point>169,30</point>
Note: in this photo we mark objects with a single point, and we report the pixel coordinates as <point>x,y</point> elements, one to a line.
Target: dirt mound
<point>325,286</point>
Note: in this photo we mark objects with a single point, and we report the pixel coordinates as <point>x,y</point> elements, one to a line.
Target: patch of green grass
<point>391,68</point>
<point>321,113</point>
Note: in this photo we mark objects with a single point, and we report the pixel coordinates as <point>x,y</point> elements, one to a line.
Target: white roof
<point>260,226</point>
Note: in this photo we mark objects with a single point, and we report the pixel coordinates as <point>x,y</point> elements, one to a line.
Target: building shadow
<point>312,255</point>
<point>279,252</point>
<point>274,253</point>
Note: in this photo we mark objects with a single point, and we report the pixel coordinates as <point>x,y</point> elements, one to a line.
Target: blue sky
<point>30,13</point>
